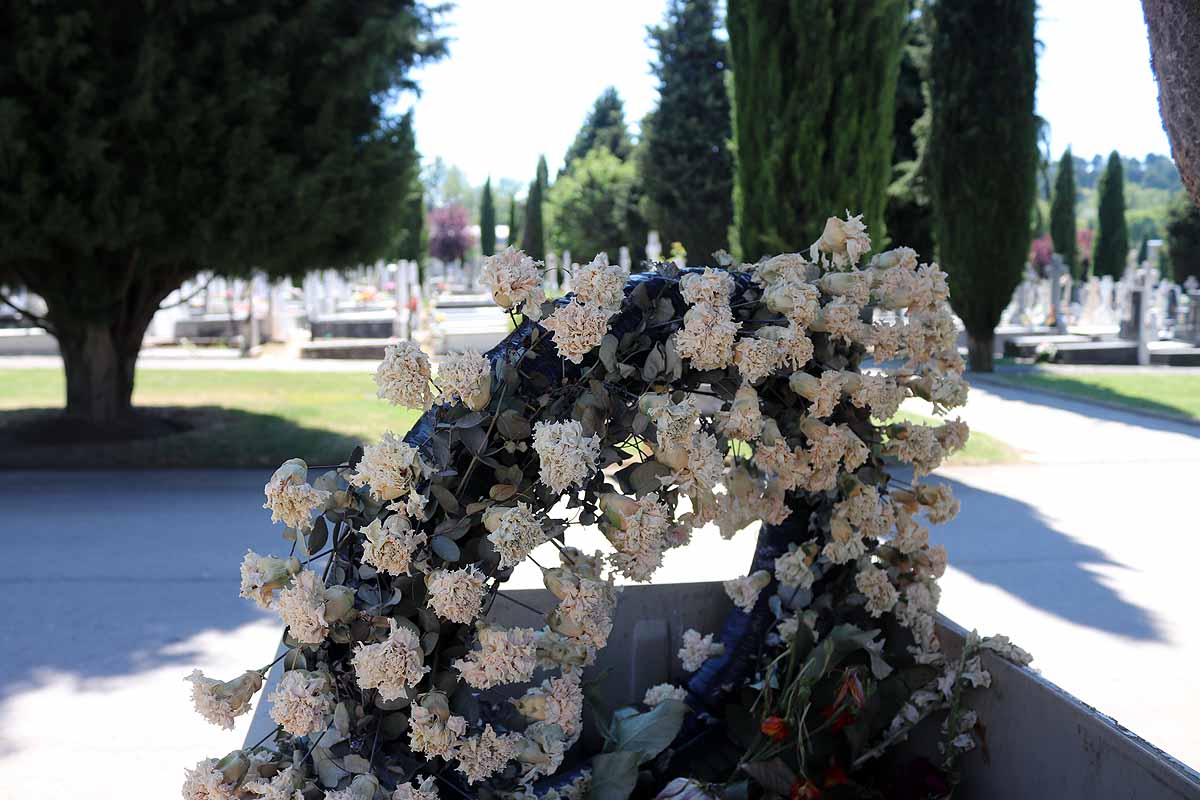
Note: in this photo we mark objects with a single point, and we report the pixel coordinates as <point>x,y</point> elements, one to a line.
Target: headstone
<point>550,276</point>
<point>624,260</point>
<point>653,247</point>
<point>568,271</point>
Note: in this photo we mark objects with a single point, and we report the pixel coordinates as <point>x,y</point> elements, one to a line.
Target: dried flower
<point>515,280</point>
<point>303,702</point>
<point>577,329</point>
<point>216,780</point>
<point>505,655</point>
<point>744,419</point>
<point>391,468</point>
<point>403,376</point>
<point>881,595</point>
<point>567,457</point>
<point>465,377</point>
<point>302,608</point>
<point>664,691</point>
<point>711,287</point>
<point>540,751</point>
<point>744,591</point>
<point>262,576</point>
<point>392,666</point>
<point>638,530</point>
<point>601,283</point>
<point>796,299</point>
<point>424,790</point>
<point>456,595</point>
<point>390,544</point>
<point>843,240</point>
<point>219,702</point>
<point>707,336</point>
<point>290,499</point>
<point>514,532</point>
<point>697,649</point>
<point>757,358</point>
<point>432,730</point>
<point>585,605</point>
<point>793,569</point>
<point>484,755</point>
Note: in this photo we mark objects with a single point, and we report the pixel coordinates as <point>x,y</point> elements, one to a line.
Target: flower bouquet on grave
<point>653,405</point>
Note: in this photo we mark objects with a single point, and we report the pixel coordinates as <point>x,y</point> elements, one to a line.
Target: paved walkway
<point>119,584</point>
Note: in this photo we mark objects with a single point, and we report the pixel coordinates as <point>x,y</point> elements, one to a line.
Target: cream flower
<point>302,608</point>
<point>793,569</point>
<point>707,337</point>
<point>424,790</point>
<point>744,591</point>
<point>505,655</point>
<point>484,755</point>
<point>824,392</point>
<point>585,605</point>
<point>673,422</point>
<point>290,499</point>
<point>540,751</point>
<point>390,468</point>
<point>303,702</point>
<point>558,701</point>
<point>854,287</point>
<point>262,576</point>
<point>601,283</point>
<point>664,691</point>
<point>456,595</point>
<point>219,702</point>
<point>757,358</point>
<point>843,240</point>
<point>938,501</point>
<point>1001,646</point>
<point>697,649</point>
<point>514,279</point>
<point>795,347</point>
<point>874,584</point>
<point>403,376</point>
<point>911,536</point>
<point>465,377</point>
<point>917,445</point>
<point>514,532</point>
<point>567,457</point>
<point>795,298</point>
<point>435,732</point>
<point>209,782</point>
<point>577,329</point>
<point>696,464</point>
<point>841,321</point>
<point>711,287</point>
<point>390,544</point>
<point>878,393</point>
<point>953,435</point>
<point>284,785</point>
<point>744,419</point>
<point>638,530</point>
<point>392,666</point>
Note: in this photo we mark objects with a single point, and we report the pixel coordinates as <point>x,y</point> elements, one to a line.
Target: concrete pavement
<point>119,584</point>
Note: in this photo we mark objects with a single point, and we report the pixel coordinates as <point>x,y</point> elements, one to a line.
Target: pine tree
<point>149,141</point>
<point>814,98</point>
<point>685,163</point>
<point>513,216</point>
<point>487,220</point>
<point>1062,213</point>
<point>983,156</point>
<point>533,238</point>
<point>604,126</point>
<point>1112,238</point>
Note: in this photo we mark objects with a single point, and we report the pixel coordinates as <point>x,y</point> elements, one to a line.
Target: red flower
<point>776,728</point>
<point>835,776</point>
<point>805,790</point>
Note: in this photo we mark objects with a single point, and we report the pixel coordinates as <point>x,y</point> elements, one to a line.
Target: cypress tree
<point>1112,237</point>
<point>512,220</point>
<point>814,99</point>
<point>543,175</point>
<point>1062,213</point>
<point>487,220</point>
<point>686,166</point>
<point>146,142</point>
<point>983,156</point>
<point>604,126</point>
<point>533,240</point>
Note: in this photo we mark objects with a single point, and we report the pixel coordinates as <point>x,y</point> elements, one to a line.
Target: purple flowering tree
<point>449,236</point>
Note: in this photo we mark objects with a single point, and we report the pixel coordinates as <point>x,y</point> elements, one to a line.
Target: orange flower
<point>776,728</point>
<point>805,790</point>
<point>835,776</point>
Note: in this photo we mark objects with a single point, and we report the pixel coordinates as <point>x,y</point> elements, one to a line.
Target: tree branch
<point>29,315</point>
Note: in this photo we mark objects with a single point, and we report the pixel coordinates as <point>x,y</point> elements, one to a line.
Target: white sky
<point>522,74</point>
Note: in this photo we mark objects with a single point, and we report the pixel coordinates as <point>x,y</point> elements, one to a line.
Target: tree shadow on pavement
<point>1006,543</point>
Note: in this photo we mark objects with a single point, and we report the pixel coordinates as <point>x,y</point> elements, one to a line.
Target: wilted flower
<point>795,298</point>
<point>392,666</point>
<point>390,468</point>
<point>757,358</point>
<point>638,530</point>
<point>290,499</point>
<point>465,377</point>
<point>302,608</point>
<point>303,702</point>
<point>744,591</point>
<point>585,605</point>
<point>601,283</point>
<point>664,691</point>
<point>432,729</point>
<point>567,457</point>
<point>707,336</point>
<point>697,649</point>
<point>390,544</point>
<point>515,280</point>
<point>505,655</point>
<point>540,751</point>
<point>881,595</point>
<point>456,595</point>
<point>262,576</point>
<point>219,702</point>
<point>403,376</point>
<point>843,240</point>
<point>744,419</point>
<point>484,755</point>
<point>423,790</point>
<point>216,780</point>
<point>514,532</point>
<point>793,569</point>
<point>558,701</point>
<point>577,329</point>
<point>711,287</point>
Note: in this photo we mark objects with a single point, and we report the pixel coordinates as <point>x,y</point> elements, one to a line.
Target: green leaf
<point>513,426</point>
<point>614,775</point>
<point>470,420</point>
<point>356,764</point>
<point>445,548</point>
<point>328,772</point>
<point>394,726</point>
<point>652,732</point>
<point>656,361</point>
<point>445,498</point>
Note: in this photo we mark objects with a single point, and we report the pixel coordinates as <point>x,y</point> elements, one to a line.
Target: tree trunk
<point>1174,27</point>
<point>979,352</point>
<point>99,363</point>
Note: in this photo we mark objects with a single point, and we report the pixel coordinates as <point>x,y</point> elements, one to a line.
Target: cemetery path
<point>121,582</point>
<point>1081,554</point>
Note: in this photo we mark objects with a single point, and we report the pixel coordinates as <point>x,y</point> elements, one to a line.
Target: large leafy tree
<point>604,126</point>
<point>814,98</point>
<point>487,220</point>
<point>1183,239</point>
<point>983,156</point>
<point>142,142</point>
<point>1112,236</point>
<point>686,166</point>
<point>1062,212</point>
<point>593,207</point>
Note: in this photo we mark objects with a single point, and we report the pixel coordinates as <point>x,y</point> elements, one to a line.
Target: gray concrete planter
<point>1041,741</point>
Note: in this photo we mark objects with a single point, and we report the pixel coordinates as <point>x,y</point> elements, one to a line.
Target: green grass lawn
<point>1169,393</point>
<point>241,418</point>
<point>980,449</point>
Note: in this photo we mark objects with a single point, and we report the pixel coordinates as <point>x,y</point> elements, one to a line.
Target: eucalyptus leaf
<point>445,498</point>
<point>356,764</point>
<point>393,726</point>
<point>445,548</point>
<point>318,536</point>
<point>614,776</point>
<point>328,772</point>
<point>513,426</point>
<point>502,491</point>
<point>470,420</point>
<point>652,732</point>
<point>775,776</point>
<point>429,641</point>
<point>654,364</point>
